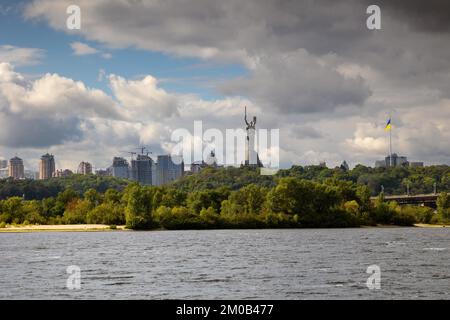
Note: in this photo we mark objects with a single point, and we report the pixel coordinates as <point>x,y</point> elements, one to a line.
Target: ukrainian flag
<point>388,126</point>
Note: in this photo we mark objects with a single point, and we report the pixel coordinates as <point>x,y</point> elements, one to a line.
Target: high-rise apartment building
<point>120,168</point>
<point>3,164</point>
<point>46,166</point>
<point>142,169</point>
<point>84,168</point>
<point>168,168</point>
<point>16,168</point>
<point>63,173</point>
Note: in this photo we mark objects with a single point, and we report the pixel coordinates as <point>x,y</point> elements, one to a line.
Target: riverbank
<point>423,225</point>
<point>103,227</point>
<point>61,227</point>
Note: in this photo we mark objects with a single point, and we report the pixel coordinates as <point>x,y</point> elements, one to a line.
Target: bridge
<point>428,200</point>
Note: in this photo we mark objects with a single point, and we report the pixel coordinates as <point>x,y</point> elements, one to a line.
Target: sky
<point>137,70</point>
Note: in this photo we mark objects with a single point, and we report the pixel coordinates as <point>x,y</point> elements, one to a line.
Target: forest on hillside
<point>230,198</point>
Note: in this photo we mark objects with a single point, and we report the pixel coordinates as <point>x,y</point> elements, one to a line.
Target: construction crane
<point>132,153</point>
<point>143,148</point>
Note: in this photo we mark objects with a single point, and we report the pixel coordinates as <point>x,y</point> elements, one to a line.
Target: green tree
<point>198,200</point>
<point>112,196</point>
<point>248,200</point>
<point>93,197</point>
<point>138,210</point>
<point>33,212</point>
<point>106,213</point>
<point>76,211</point>
<point>12,210</point>
<point>443,206</point>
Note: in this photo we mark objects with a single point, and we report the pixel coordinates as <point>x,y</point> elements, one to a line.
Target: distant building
<point>416,164</point>
<point>63,173</point>
<point>197,166</point>
<point>120,168</point>
<point>323,164</point>
<point>4,173</point>
<point>211,161</point>
<point>46,166</point>
<point>3,164</point>
<point>380,164</point>
<point>16,168</point>
<point>168,168</point>
<point>394,161</point>
<point>142,169</point>
<point>84,168</point>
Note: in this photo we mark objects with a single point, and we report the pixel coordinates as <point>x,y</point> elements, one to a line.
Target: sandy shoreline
<point>62,227</point>
<point>103,227</point>
<point>423,225</point>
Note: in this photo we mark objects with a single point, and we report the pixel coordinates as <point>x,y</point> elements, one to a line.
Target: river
<point>414,263</point>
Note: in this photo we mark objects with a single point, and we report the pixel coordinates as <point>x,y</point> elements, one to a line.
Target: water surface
<point>228,264</point>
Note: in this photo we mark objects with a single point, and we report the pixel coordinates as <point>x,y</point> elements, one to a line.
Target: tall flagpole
<point>390,145</point>
<point>390,140</point>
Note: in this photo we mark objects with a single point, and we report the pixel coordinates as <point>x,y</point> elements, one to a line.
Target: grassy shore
<point>61,227</point>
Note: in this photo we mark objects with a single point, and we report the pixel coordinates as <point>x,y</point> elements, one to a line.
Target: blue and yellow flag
<point>388,125</point>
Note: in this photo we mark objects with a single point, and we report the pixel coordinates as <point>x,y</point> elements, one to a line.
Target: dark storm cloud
<point>420,15</point>
<point>304,58</point>
<point>298,83</point>
<point>18,132</point>
<point>306,132</point>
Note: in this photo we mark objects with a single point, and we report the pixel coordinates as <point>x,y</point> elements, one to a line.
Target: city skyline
<point>225,156</point>
<point>326,81</point>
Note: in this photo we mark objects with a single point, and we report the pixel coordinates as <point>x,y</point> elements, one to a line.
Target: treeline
<point>392,180</point>
<point>291,203</point>
<point>42,189</point>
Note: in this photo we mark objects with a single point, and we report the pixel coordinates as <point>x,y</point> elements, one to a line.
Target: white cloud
<point>82,49</point>
<point>310,66</point>
<point>369,138</point>
<point>142,98</point>
<point>57,114</point>
<point>49,110</point>
<point>21,56</point>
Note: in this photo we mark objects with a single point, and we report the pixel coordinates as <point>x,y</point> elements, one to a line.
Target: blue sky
<point>312,70</point>
<point>175,74</point>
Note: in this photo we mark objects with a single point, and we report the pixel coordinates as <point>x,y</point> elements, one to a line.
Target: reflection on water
<point>228,264</point>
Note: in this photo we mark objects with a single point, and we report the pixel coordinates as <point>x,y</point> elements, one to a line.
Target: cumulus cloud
<point>297,82</point>
<point>307,62</point>
<point>292,49</point>
<point>37,132</point>
<point>369,137</point>
<point>21,56</point>
<point>49,110</point>
<point>143,98</point>
<point>61,115</point>
<point>82,49</point>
